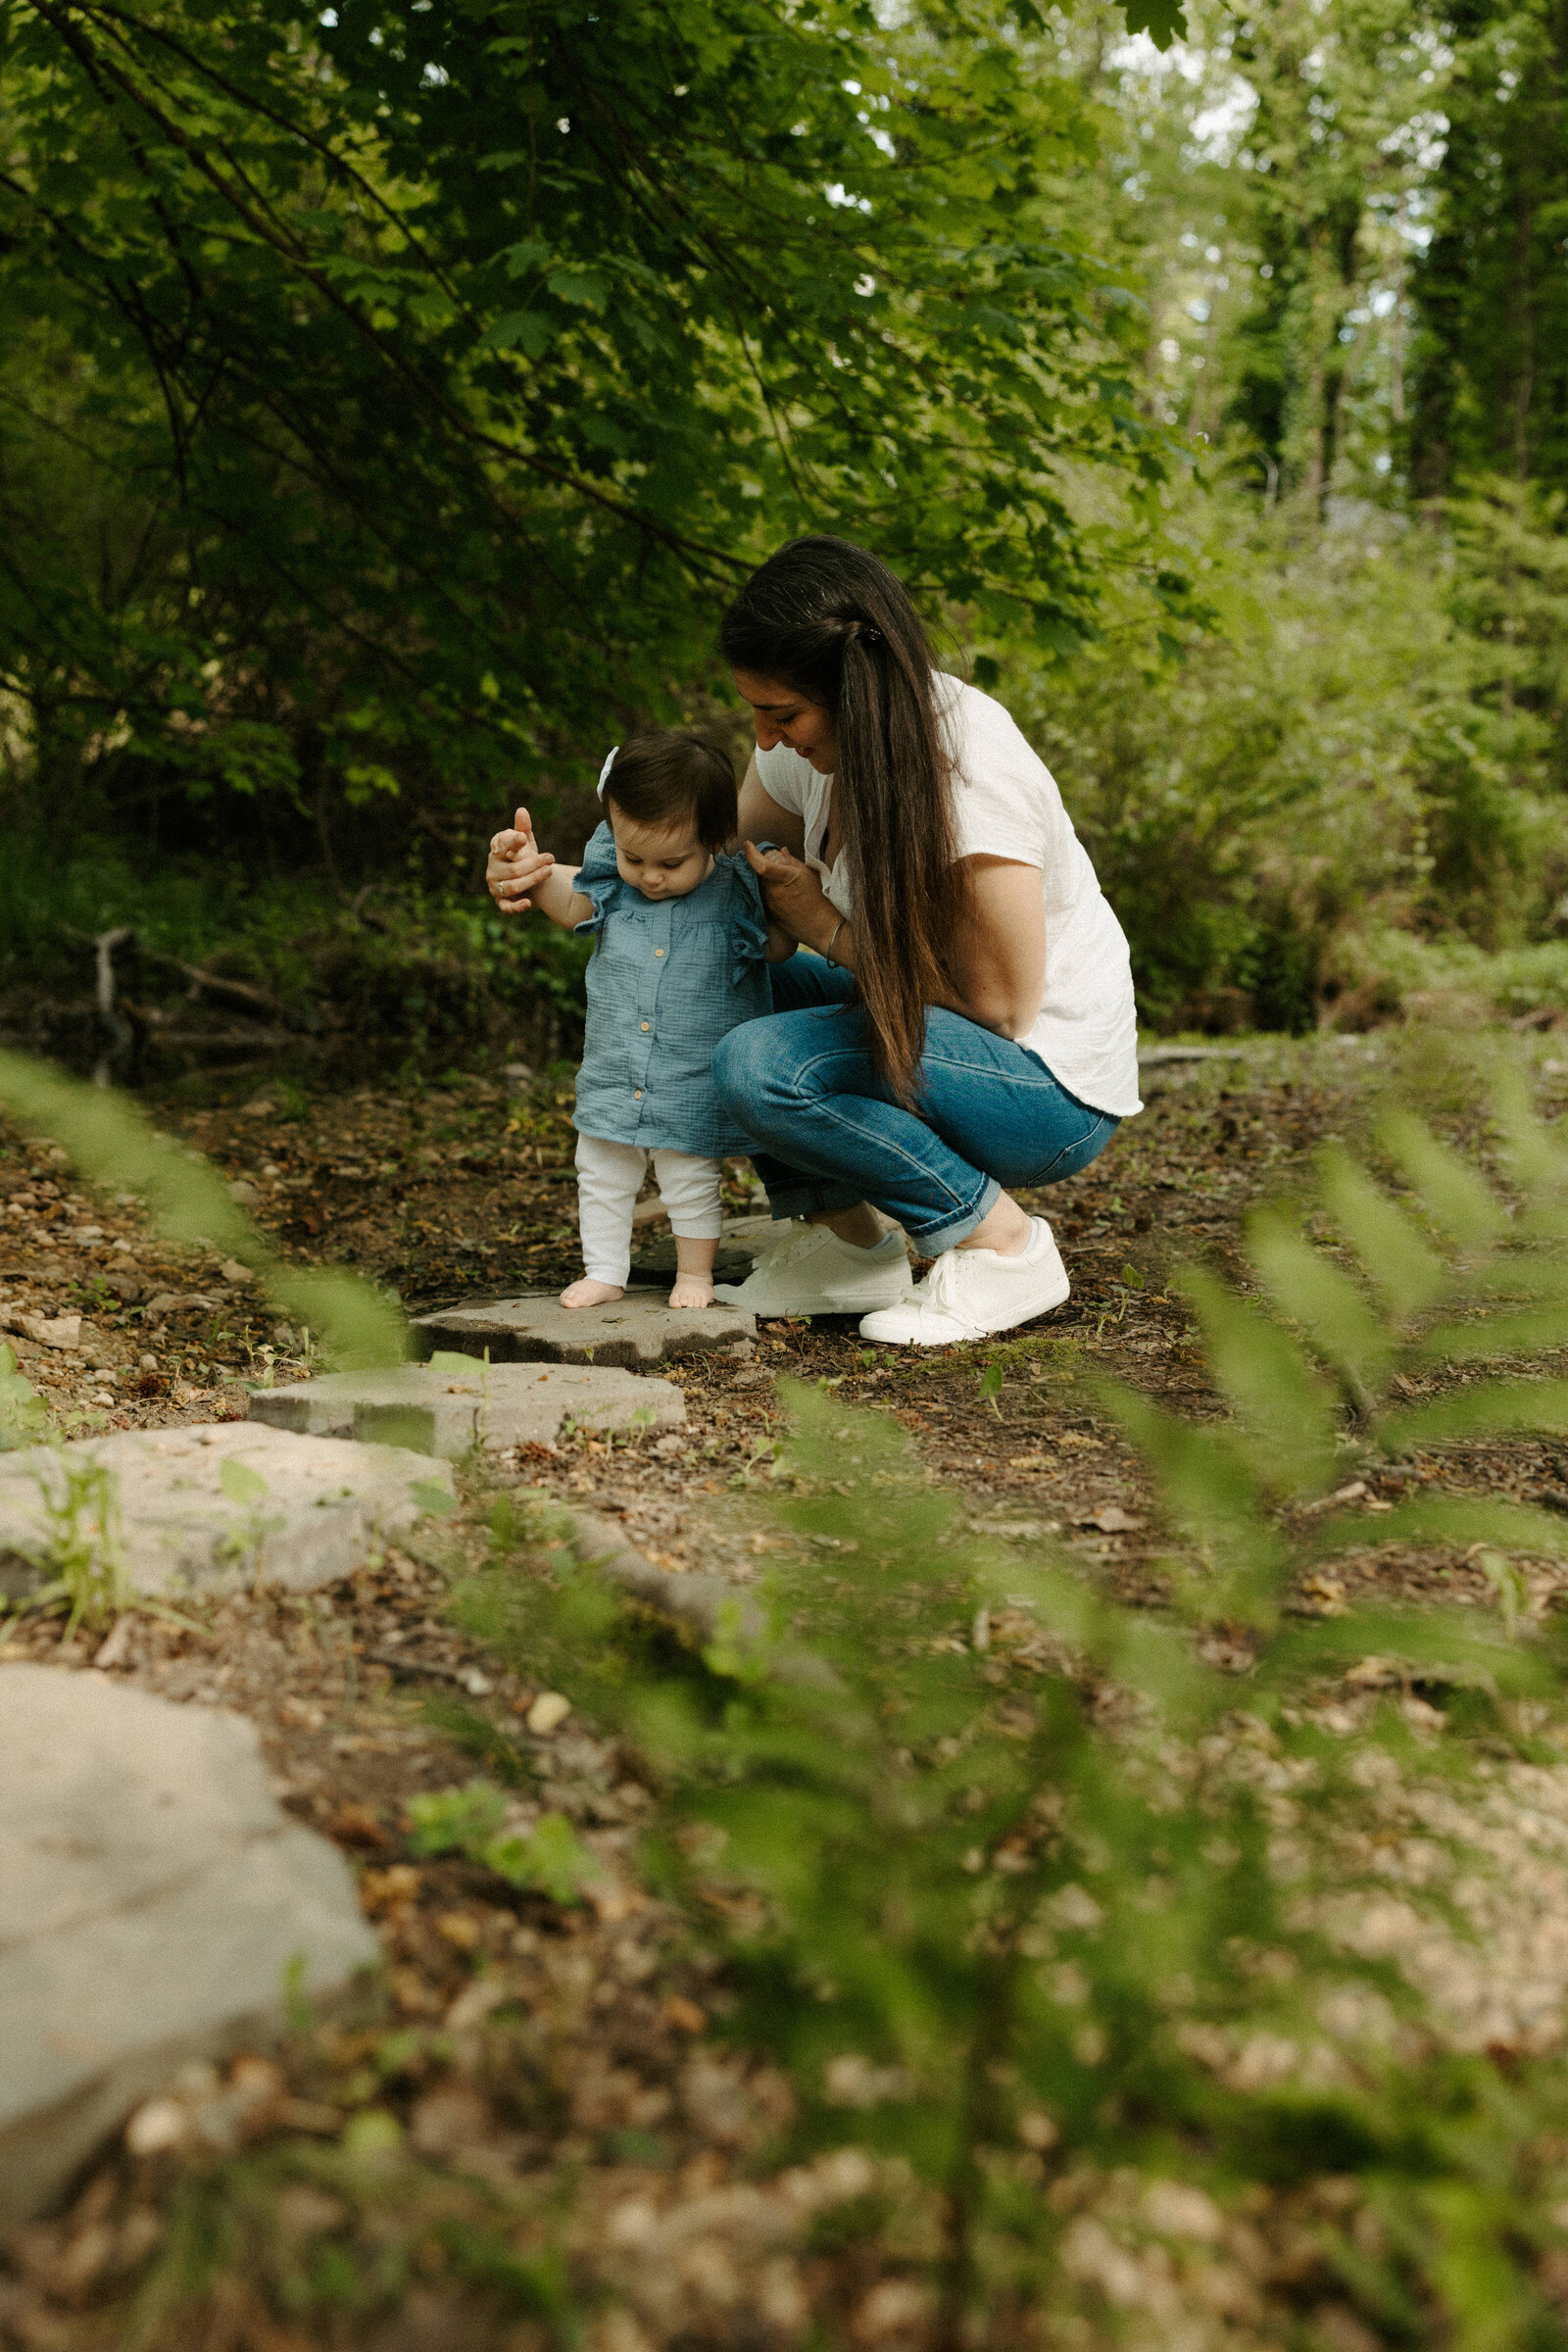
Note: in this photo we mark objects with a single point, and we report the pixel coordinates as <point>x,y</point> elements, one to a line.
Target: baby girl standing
<point>681,942</point>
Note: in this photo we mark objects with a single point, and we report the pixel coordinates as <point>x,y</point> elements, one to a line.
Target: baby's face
<point>663,863</point>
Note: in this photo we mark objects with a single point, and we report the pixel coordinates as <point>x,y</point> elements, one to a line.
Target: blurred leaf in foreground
<point>114,1142</point>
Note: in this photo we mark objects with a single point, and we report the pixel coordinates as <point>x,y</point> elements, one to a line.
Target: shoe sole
<point>865,1301</point>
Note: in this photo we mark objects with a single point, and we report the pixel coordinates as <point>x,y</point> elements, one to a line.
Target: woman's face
<point>785,717</point>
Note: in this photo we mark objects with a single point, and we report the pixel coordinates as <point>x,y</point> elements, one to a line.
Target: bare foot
<point>692,1290</point>
<point>589,1292</point>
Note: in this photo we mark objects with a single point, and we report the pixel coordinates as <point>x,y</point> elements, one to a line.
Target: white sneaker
<point>811,1272</point>
<point>971,1292</point>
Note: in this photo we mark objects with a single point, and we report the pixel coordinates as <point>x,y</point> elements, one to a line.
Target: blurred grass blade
<point>1500,1336</point>
<point>1275,1390</point>
<point>1313,1293</point>
<point>1535,1156</point>
<point>1394,1259</point>
<point>1207,1489</point>
<point>1479,1412</point>
<point>1459,1203</point>
<point>114,1142</point>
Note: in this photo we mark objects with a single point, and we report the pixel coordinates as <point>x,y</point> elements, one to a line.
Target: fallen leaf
<point>458,1928</point>
<point>356,1825</point>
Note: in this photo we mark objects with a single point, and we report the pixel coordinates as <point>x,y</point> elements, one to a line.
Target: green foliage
<point>1349,791</point>
<point>114,1142</point>
<point>978,1908</point>
<point>79,1553</point>
<point>24,1416</point>
<point>550,1857</point>
<point>407,964</point>
<point>390,398</point>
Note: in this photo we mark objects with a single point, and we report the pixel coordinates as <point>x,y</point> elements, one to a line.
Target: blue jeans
<point>831,1132</point>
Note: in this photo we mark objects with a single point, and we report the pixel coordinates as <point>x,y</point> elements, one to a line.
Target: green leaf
<point>1338,1321</point>
<point>241,1484</point>
<point>528,331</point>
<point>439,1502</point>
<point>1458,1201</point>
<point>457,1820</point>
<point>1396,1260</point>
<point>1281,1400</point>
<point>113,1141</point>
<point>1480,1412</point>
<point>1164,20</point>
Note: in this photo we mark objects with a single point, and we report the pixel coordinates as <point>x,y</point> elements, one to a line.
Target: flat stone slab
<point>154,1903</point>
<point>209,1509</point>
<point>653,1255</point>
<point>634,1332</point>
<point>448,1407</point>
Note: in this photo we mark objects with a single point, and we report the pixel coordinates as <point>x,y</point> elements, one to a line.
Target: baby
<point>681,945</point>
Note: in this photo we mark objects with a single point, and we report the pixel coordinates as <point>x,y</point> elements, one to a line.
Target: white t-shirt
<point>1006,805</point>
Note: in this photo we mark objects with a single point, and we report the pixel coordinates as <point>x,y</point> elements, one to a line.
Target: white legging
<point>608,1179</point>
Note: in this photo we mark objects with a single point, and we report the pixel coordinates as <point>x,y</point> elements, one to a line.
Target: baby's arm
<point>518,867</point>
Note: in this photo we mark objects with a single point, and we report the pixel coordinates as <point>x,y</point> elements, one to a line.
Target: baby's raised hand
<point>517,865</point>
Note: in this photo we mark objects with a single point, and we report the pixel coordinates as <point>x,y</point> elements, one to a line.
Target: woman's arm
<point>999,965</point>
<point>762,819</point>
<point>999,960</point>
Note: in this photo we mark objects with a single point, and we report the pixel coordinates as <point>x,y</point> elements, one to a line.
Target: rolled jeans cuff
<point>958,1229</point>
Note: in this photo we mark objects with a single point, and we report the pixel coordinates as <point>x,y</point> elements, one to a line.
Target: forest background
<point>390,399</point>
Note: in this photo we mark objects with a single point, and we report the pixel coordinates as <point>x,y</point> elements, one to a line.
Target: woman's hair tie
<point>863,629</point>
<point>604,772</point>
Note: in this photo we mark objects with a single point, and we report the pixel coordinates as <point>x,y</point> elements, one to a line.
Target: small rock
<point>548,1713</point>
<point>635,1332</point>
<point>59,1330</point>
<point>154,1900</point>
<point>448,1405</point>
<point>245,1193</point>
<point>158,2125</point>
<point>233,1271</point>
<point>1111,1520</point>
<point>215,1507</point>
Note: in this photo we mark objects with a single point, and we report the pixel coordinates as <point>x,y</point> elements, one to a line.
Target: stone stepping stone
<point>155,1902</point>
<point>634,1332</point>
<point>653,1255</point>
<point>454,1402</point>
<point>209,1508</point>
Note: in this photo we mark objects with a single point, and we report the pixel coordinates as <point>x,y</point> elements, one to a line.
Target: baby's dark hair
<point>665,776</point>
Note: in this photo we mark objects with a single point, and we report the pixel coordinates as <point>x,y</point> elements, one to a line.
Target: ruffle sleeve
<point>599,878</point>
<point>748,923</point>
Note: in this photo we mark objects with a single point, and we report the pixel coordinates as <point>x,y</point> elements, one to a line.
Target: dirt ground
<point>614,2096</point>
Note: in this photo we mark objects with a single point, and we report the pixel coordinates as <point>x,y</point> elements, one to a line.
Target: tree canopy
<point>400,393</point>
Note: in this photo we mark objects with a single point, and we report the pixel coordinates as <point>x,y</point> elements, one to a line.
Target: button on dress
<point>668,978</point>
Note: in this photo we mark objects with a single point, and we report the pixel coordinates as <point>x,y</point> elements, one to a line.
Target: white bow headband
<point>604,772</point>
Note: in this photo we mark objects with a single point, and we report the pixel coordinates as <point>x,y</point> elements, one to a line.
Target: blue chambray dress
<point>668,980</point>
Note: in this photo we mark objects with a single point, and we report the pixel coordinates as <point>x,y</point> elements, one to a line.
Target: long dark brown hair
<point>828,621</point>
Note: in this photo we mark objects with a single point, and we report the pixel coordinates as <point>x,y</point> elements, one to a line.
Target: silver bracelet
<point>828,952</point>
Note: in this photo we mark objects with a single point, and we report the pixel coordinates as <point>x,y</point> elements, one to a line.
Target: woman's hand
<point>793,893</point>
<point>517,865</point>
